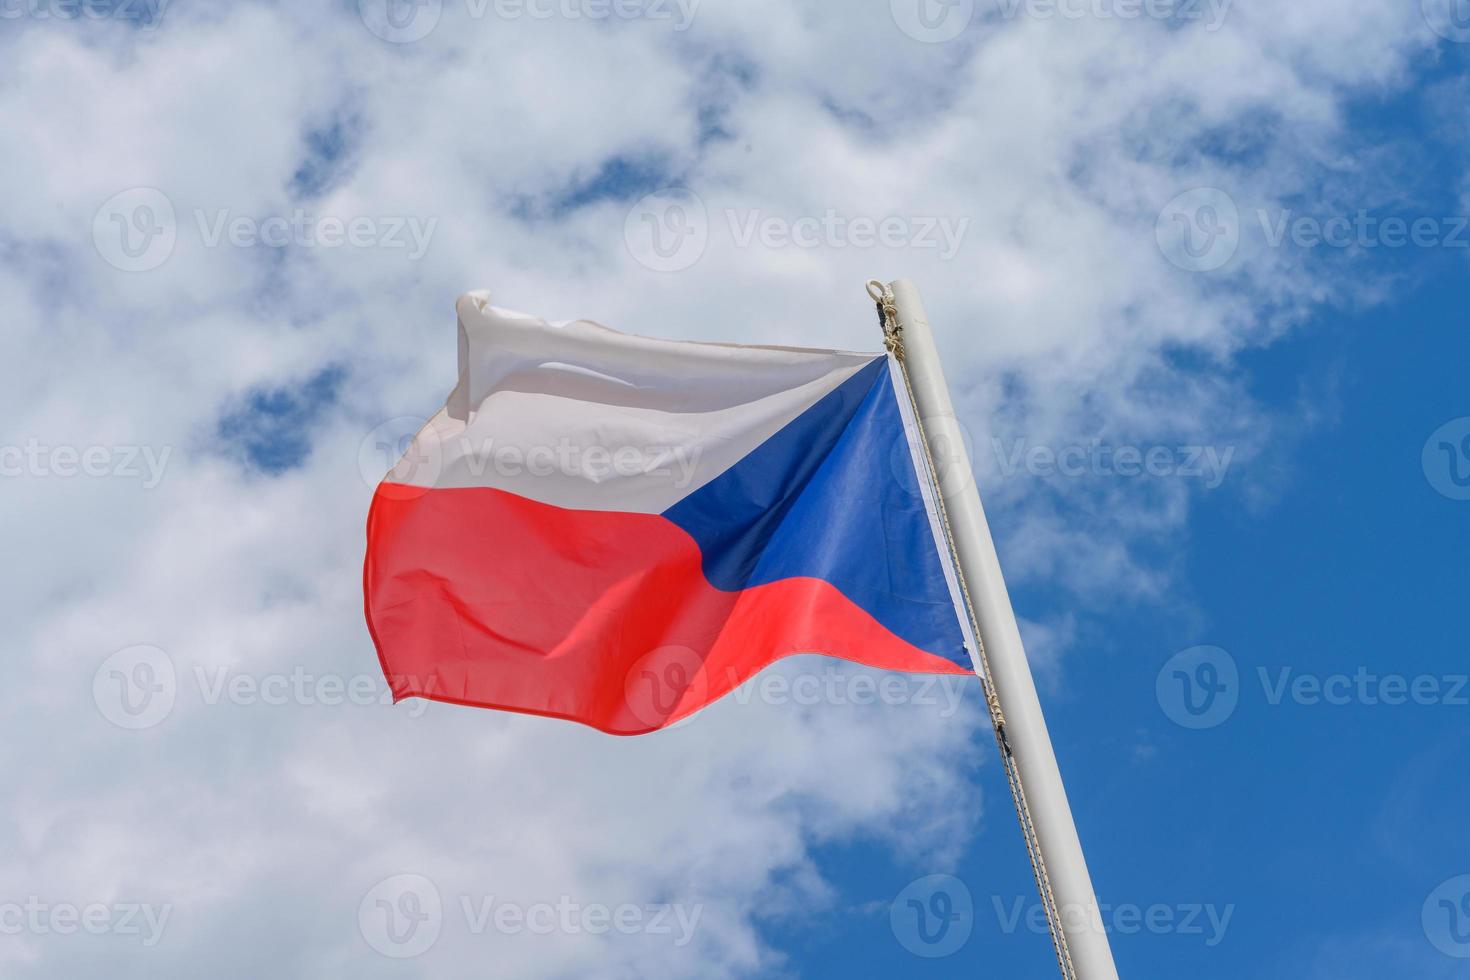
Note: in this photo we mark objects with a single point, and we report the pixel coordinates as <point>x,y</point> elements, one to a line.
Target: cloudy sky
<point>1199,275</point>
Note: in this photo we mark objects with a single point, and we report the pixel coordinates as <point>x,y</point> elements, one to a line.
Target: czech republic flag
<point>619,530</point>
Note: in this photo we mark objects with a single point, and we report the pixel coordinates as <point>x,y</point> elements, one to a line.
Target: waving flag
<point>619,530</point>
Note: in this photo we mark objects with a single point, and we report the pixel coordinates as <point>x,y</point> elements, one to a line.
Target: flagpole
<point>1066,889</point>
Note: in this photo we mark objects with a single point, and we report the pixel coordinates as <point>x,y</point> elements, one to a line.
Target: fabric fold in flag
<point>619,530</point>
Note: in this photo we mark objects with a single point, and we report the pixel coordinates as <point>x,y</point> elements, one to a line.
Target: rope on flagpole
<point>882,295</point>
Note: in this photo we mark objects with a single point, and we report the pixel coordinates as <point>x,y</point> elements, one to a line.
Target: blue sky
<point>1325,827</point>
<point>1319,829</point>
<point>1133,233</point>
<point>1315,830</point>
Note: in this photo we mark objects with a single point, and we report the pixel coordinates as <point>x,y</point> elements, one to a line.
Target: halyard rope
<point>882,294</point>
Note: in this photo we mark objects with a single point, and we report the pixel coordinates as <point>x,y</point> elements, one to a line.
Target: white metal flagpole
<point>1066,890</point>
